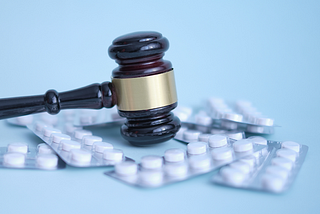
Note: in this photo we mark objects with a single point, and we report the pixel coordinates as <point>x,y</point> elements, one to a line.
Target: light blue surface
<point>265,52</point>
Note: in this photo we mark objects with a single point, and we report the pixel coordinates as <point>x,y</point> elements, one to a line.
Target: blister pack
<point>274,171</point>
<point>192,133</point>
<point>178,165</point>
<point>21,156</point>
<point>79,117</point>
<point>216,113</point>
<point>78,147</point>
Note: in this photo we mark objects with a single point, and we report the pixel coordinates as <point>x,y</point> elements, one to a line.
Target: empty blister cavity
<point>44,149</point>
<point>14,159</point>
<point>217,141</point>
<point>47,161</point>
<point>174,155</point>
<point>68,145</point>
<point>151,162</point>
<point>243,145</point>
<point>89,140</point>
<point>18,147</point>
<point>196,148</point>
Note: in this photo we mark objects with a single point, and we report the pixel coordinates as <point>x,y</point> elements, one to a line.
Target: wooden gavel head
<point>142,87</point>
<point>145,88</point>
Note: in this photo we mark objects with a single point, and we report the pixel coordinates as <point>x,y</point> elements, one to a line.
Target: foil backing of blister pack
<point>74,147</point>
<point>198,159</point>
<point>274,172</point>
<point>25,157</point>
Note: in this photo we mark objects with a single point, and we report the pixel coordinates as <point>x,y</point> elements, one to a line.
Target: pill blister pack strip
<point>192,133</point>
<point>178,165</point>
<point>21,156</point>
<point>274,172</point>
<point>78,117</point>
<point>241,114</point>
<point>78,147</point>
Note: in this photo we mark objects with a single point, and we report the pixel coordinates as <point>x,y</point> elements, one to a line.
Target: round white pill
<point>18,147</point>
<point>235,135</point>
<point>255,129</point>
<point>176,170</point>
<point>24,120</point>
<point>87,119</point>
<point>48,131</point>
<point>58,137</point>
<point>14,159</point>
<point>287,153</point>
<point>272,183</point>
<point>200,162</point>
<point>283,162</point>
<point>68,145</point>
<point>151,162</point>
<point>203,120</point>
<point>182,115</point>
<point>229,124</point>
<point>197,148</point>
<point>191,135</point>
<point>291,145</point>
<point>126,168</point>
<point>278,171</point>
<point>223,153</point>
<point>232,175</point>
<point>174,155</point>
<point>250,160</point>
<point>39,125</point>
<point>242,145</point>
<point>204,137</point>
<point>180,132</point>
<point>44,149</point>
<point>113,154</point>
<point>70,128</point>
<point>90,139</point>
<point>232,116</point>
<point>151,178</point>
<point>241,166</point>
<point>101,146</point>
<point>258,140</point>
<point>47,161</point>
<point>80,133</point>
<point>217,141</point>
<point>80,155</point>
<point>264,121</point>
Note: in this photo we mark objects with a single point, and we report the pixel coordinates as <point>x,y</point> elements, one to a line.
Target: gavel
<point>142,87</point>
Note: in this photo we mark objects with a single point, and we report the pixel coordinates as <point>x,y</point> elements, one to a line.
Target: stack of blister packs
<point>215,138</point>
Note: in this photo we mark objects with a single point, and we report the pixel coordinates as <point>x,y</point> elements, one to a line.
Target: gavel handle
<point>94,96</point>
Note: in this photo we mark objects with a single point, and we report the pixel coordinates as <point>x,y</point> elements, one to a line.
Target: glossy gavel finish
<point>140,55</point>
<point>93,96</point>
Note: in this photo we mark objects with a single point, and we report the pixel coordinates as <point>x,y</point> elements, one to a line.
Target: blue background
<point>267,52</point>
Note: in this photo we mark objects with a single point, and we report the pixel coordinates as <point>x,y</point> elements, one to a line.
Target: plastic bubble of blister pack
<point>20,156</point>
<point>80,117</point>
<point>78,147</point>
<point>179,164</point>
<point>274,171</point>
<point>219,114</point>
